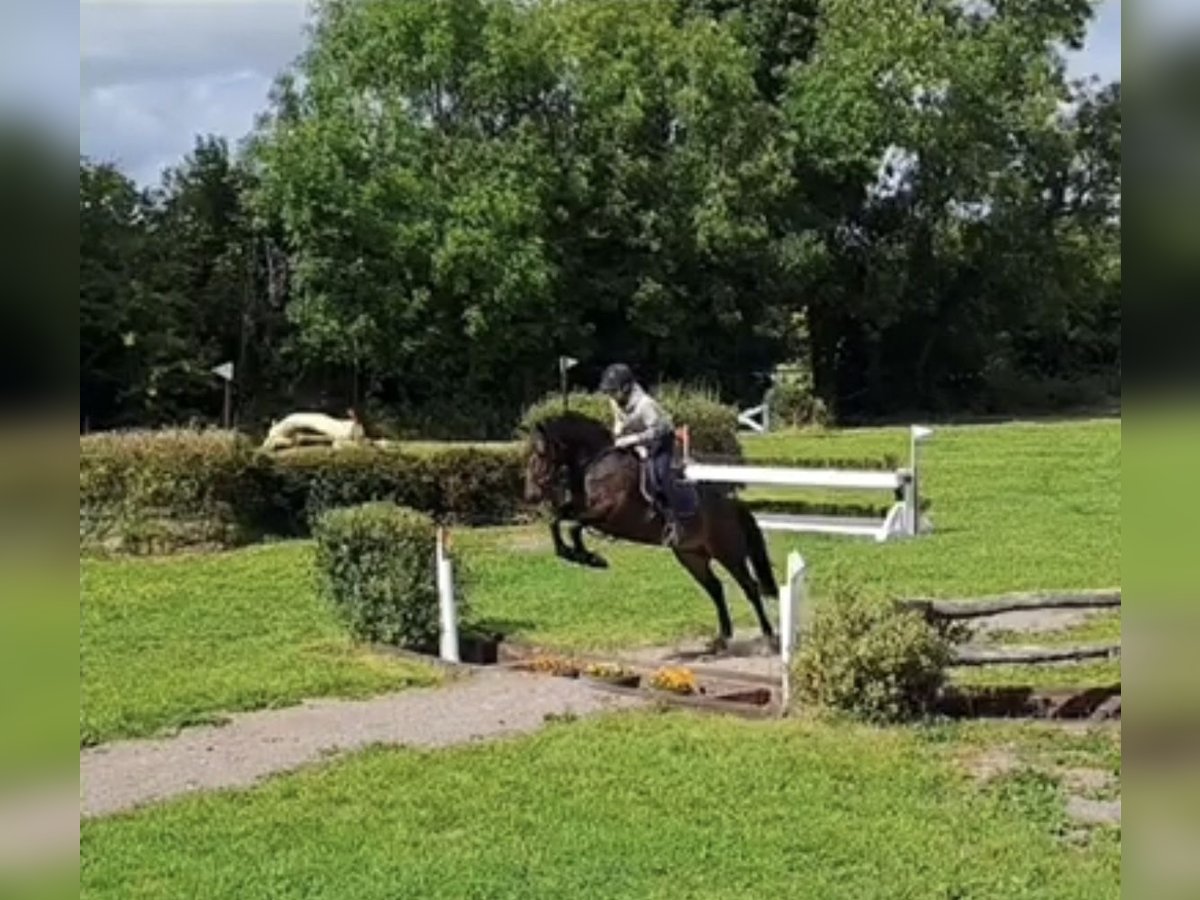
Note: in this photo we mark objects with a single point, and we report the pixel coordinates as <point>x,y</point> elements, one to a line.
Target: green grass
<point>167,642</point>
<point>176,641</point>
<point>1016,507</point>
<point>638,805</point>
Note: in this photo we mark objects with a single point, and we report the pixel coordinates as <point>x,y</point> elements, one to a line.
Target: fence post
<point>446,604</point>
<point>791,600</point>
<point>912,490</point>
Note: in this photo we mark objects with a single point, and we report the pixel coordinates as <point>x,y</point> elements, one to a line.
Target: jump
<point>596,479</point>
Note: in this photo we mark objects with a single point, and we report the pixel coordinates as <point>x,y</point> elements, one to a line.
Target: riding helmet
<point>617,380</point>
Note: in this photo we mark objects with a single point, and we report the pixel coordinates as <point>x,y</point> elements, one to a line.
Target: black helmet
<point>617,380</point>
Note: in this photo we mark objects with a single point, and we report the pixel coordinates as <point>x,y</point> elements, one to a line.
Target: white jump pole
<point>446,604</point>
<point>791,599</point>
<point>912,499</point>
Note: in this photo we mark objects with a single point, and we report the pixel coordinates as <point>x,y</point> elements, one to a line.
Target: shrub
<point>375,564</point>
<point>712,425</point>
<point>146,491</point>
<point>459,484</point>
<point>793,402</point>
<point>871,660</point>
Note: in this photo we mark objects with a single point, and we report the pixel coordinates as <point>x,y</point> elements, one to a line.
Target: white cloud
<point>154,75</point>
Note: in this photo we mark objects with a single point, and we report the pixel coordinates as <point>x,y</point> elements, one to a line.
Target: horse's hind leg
<point>582,553</point>
<point>741,574</point>
<point>697,564</point>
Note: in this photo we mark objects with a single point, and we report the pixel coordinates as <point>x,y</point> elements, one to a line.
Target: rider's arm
<point>652,421</point>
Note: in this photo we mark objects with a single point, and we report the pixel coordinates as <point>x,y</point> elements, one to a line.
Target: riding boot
<point>671,534</point>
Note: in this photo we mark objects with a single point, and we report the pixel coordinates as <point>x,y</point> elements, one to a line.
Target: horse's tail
<point>756,546</point>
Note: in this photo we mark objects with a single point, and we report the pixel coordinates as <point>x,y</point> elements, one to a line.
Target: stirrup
<point>671,533</point>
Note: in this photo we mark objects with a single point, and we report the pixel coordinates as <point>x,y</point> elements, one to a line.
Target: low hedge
<point>150,491</point>
<point>159,491</point>
<point>375,565</point>
<point>712,425</point>
<point>459,484</point>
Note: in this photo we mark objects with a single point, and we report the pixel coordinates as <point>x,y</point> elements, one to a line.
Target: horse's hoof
<point>719,645</point>
<point>596,561</point>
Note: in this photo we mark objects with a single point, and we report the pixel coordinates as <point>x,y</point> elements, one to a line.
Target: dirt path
<point>488,704</point>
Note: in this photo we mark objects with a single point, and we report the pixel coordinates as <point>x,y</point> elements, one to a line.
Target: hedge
<point>375,564</point>
<point>712,425</point>
<point>157,491</point>
<point>149,491</point>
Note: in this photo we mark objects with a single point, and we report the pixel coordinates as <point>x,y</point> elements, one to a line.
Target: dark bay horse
<point>574,467</point>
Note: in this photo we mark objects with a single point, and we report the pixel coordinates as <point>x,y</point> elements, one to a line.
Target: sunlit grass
<point>640,805</point>
<point>171,642</point>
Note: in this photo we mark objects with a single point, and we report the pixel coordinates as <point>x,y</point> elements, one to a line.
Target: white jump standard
<point>902,520</point>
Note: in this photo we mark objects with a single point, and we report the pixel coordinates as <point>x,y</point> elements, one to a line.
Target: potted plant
<point>611,673</point>
<point>677,680</point>
<point>552,665</point>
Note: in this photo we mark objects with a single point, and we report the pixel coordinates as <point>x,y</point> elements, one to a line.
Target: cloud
<point>154,75</point>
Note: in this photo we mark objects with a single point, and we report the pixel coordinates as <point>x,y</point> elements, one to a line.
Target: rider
<point>640,422</point>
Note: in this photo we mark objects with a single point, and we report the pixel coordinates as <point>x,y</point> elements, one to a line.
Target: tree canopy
<point>912,201</point>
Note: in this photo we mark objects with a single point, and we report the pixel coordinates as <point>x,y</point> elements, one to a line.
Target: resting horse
<point>574,467</point>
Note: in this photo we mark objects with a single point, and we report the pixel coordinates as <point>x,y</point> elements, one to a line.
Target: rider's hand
<point>625,441</point>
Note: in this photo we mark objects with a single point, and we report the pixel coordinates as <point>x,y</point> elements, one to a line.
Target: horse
<point>574,467</point>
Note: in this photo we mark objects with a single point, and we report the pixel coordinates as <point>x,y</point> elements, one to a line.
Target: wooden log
<point>998,656</point>
<point>990,606</point>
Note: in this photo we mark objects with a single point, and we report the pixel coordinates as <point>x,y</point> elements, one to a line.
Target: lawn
<point>638,805</point>
<point>1015,507</point>
<point>167,642</point>
<point>175,641</point>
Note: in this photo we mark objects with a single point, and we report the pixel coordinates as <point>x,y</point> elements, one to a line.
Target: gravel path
<point>488,704</point>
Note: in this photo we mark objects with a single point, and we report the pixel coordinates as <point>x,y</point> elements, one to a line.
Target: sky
<point>155,73</point>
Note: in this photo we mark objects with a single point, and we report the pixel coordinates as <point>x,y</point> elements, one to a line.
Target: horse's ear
<point>538,439</point>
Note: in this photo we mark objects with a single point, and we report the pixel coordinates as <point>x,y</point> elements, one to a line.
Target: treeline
<point>910,201</point>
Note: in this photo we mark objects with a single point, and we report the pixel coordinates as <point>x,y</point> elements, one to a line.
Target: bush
<point>712,425</point>
<point>166,490</point>
<point>793,403</point>
<point>375,564</point>
<point>459,484</point>
<point>148,491</point>
<point>871,660</point>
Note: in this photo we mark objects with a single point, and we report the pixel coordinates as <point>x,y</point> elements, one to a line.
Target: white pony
<point>314,428</point>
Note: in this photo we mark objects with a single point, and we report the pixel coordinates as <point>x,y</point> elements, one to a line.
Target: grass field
<point>1015,507</point>
<point>171,642</point>
<point>167,642</point>
<point>641,805</point>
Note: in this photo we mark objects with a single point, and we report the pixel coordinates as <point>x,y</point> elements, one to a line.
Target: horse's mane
<point>572,429</point>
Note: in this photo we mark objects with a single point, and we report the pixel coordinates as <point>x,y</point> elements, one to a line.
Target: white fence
<point>903,518</point>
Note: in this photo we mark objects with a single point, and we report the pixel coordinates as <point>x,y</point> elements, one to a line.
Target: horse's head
<point>564,443</point>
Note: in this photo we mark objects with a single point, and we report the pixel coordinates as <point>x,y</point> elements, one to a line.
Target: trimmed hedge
<point>711,424</point>
<point>459,484</point>
<point>150,491</point>
<point>376,568</point>
<point>160,491</point>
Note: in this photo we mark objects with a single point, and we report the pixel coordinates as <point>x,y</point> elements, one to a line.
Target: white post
<point>791,598</point>
<point>912,494</point>
<point>445,589</point>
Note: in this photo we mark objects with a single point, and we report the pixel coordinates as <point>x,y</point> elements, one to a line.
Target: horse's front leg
<point>561,550</point>
<point>582,553</point>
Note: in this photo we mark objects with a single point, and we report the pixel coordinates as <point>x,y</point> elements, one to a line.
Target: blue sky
<point>154,73</point>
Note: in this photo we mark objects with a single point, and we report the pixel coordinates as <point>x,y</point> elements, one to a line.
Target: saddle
<point>686,500</point>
